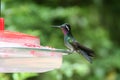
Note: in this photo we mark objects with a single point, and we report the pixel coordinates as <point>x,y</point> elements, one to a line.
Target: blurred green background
<point>94,23</point>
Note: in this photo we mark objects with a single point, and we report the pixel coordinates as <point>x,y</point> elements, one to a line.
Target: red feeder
<point>1,24</point>
<point>20,52</point>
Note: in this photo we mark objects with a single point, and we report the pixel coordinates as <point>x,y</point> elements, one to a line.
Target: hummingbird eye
<point>67,28</point>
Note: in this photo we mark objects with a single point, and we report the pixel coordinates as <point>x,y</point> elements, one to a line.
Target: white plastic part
<point>17,58</point>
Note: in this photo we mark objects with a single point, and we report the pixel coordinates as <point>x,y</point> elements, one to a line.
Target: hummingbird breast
<point>67,42</point>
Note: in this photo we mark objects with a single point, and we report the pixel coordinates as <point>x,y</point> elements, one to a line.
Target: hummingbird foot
<point>70,51</point>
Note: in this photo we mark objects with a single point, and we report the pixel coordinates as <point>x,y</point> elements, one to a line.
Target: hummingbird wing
<point>86,52</point>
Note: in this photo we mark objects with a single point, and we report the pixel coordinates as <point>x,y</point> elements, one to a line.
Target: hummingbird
<point>73,45</point>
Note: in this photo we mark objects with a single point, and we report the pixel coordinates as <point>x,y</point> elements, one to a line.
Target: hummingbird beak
<point>56,26</point>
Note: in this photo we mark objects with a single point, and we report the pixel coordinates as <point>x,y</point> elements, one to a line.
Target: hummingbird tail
<point>87,53</point>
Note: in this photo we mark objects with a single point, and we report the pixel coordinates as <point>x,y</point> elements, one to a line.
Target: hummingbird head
<point>65,28</point>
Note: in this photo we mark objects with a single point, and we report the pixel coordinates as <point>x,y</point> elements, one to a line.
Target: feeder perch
<point>21,52</point>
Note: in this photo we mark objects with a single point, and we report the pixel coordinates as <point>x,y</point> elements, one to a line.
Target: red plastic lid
<point>16,37</point>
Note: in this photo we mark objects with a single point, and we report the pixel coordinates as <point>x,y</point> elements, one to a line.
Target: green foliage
<point>95,23</point>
